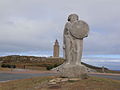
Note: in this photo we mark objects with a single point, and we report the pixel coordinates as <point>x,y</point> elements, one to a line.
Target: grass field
<point>5,69</point>
<point>24,84</point>
<point>41,83</point>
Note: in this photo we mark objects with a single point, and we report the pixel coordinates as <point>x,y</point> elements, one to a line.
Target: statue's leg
<point>74,52</point>
<point>79,47</point>
<point>67,50</point>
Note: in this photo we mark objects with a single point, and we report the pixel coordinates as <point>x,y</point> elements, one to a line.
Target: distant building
<point>103,69</point>
<point>56,49</point>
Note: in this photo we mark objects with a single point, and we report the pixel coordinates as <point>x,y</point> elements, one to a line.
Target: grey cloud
<point>111,64</point>
<point>33,25</point>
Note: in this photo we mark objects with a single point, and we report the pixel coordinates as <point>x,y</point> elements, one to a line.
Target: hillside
<point>40,63</point>
<point>30,62</point>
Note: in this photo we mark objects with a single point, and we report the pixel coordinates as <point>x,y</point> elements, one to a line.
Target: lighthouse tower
<point>56,49</point>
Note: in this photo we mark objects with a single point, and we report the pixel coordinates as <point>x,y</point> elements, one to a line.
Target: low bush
<point>52,66</point>
<point>8,66</point>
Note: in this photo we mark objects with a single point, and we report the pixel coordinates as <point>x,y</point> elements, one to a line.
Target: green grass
<point>24,84</point>
<point>41,83</point>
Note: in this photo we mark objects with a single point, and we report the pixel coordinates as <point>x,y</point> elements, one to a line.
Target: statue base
<point>72,71</point>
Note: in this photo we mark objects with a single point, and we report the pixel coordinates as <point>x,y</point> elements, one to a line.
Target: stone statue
<point>74,32</point>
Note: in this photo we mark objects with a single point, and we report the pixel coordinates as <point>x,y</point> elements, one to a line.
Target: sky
<point>30,27</point>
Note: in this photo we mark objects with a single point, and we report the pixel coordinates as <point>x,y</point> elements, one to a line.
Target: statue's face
<point>73,17</point>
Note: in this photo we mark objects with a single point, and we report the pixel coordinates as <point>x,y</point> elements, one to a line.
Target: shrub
<point>8,66</point>
<point>49,67</point>
<point>52,66</point>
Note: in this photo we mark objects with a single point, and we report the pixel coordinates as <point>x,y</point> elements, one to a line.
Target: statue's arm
<point>64,34</point>
<point>65,30</point>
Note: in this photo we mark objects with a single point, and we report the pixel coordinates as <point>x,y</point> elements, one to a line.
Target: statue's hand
<point>86,35</point>
<point>63,46</point>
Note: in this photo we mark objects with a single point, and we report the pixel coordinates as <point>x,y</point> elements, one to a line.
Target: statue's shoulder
<point>67,25</point>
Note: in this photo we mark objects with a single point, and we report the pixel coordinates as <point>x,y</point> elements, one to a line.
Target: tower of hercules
<point>56,49</point>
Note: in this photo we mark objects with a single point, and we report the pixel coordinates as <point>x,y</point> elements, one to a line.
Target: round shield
<point>79,29</point>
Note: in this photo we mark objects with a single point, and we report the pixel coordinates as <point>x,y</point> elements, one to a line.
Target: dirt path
<point>26,71</point>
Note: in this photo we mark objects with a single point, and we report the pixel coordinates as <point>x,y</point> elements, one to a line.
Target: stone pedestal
<point>72,71</point>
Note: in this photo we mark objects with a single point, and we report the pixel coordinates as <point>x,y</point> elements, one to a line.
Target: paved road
<point>14,76</point>
<point>115,77</point>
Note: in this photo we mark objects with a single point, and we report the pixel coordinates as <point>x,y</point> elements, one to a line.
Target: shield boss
<point>79,29</point>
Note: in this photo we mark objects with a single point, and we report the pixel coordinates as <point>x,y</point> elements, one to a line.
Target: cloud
<point>33,25</point>
<point>102,60</point>
<point>108,62</point>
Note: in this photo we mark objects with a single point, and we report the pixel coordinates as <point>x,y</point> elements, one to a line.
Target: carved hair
<point>73,17</point>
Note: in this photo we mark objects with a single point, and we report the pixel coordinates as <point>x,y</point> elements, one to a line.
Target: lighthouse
<point>56,49</point>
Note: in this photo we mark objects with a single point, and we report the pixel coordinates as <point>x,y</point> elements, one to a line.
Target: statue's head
<point>73,17</point>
